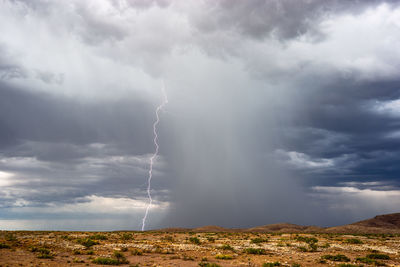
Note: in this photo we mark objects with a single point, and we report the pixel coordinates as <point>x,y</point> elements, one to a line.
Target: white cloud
<point>5,178</point>
<point>358,201</point>
<point>391,108</point>
<point>303,161</point>
<point>98,205</point>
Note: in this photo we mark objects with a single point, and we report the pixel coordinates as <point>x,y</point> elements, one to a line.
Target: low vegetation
<point>117,259</point>
<point>184,249</point>
<point>195,240</point>
<point>338,257</point>
<point>259,240</point>
<point>223,257</point>
<point>271,264</point>
<point>354,241</point>
<point>256,251</point>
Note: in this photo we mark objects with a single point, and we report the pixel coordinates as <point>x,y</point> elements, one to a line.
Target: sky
<point>279,111</point>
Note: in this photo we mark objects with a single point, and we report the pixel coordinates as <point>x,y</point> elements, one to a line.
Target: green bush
<point>207,264</point>
<point>44,253</point>
<point>127,236</point>
<point>308,240</point>
<point>11,237</point>
<point>378,256</point>
<point>105,261</point>
<point>258,240</point>
<point>43,250</point>
<point>338,257</point>
<point>45,256</point>
<point>194,240</point>
<point>87,242</point>
<point>223,257</point>
<point>226,247</point>
<point>366,260</point>
<point>370,261</point>
<point>118,258</point>
<point>271,264</point>
<point>256,251</point>
<point>353,241</point>
<point>2,245</point>
<point>303,249</point>
<point>137,252</point>
<point>98,237</point>
<point>168,238</point>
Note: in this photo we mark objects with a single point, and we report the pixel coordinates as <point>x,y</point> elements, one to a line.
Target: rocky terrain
<point>270,245</point>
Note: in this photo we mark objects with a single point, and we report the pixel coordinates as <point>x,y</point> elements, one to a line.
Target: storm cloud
<point>278,111</point>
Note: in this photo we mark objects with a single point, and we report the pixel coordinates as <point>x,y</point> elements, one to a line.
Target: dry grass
<point>196,249</point>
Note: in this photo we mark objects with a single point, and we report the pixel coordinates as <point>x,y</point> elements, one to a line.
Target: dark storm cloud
<point>282,19</point>
<point>43,117</point>
<point>65,149</point>
<point>339,122</point>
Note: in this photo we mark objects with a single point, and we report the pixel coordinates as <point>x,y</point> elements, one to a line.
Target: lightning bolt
<point>154,156</point>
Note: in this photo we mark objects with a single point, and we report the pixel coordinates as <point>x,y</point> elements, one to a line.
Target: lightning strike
<point>154,156</point>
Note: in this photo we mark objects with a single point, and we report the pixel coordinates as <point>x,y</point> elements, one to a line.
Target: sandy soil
<point>196,249</point>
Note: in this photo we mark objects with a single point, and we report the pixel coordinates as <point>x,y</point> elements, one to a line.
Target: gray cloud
<point>281,19</point>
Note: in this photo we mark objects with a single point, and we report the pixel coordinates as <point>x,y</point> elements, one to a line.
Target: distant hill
<point>388,223</point>
<point>284,228</point>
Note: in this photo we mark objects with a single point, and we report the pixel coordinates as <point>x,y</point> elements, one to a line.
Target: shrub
<point>271,264</point>
<point>308,240</point>
<point>223,257</point>
<point>256,251</point>
<point>226,247</point>
<point>187,258</point>
<point>2,245</point>
<point>338,257</point>
<point>44,253</point>
<point>11,237</point>
<point>45,256</point>
<point>207,264</point>
<point>137,252</point>
<point>87,242</point>
<point>311,241</point>
<point>105,261</point>
<point>98,237</point>
<point>353,241</point>
<point>194,240</point>
<point>43,250</point>
<point>127,236</point>
<point>296,265</point>
<point>303,249</point>
<point>258,240</point>
<point>378,256</point>
<point>120,257</point>
<point>326,245</point>
<point>168,238</point>
<point>211,239</point>
<point>365,260</point>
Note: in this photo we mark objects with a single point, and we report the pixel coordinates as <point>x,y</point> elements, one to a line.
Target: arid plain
<point>374,242</point>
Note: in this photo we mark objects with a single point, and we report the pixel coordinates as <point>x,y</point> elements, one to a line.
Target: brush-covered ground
<point>24,248</point>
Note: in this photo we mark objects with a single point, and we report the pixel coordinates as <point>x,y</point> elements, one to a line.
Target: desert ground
<point>182,248</point>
